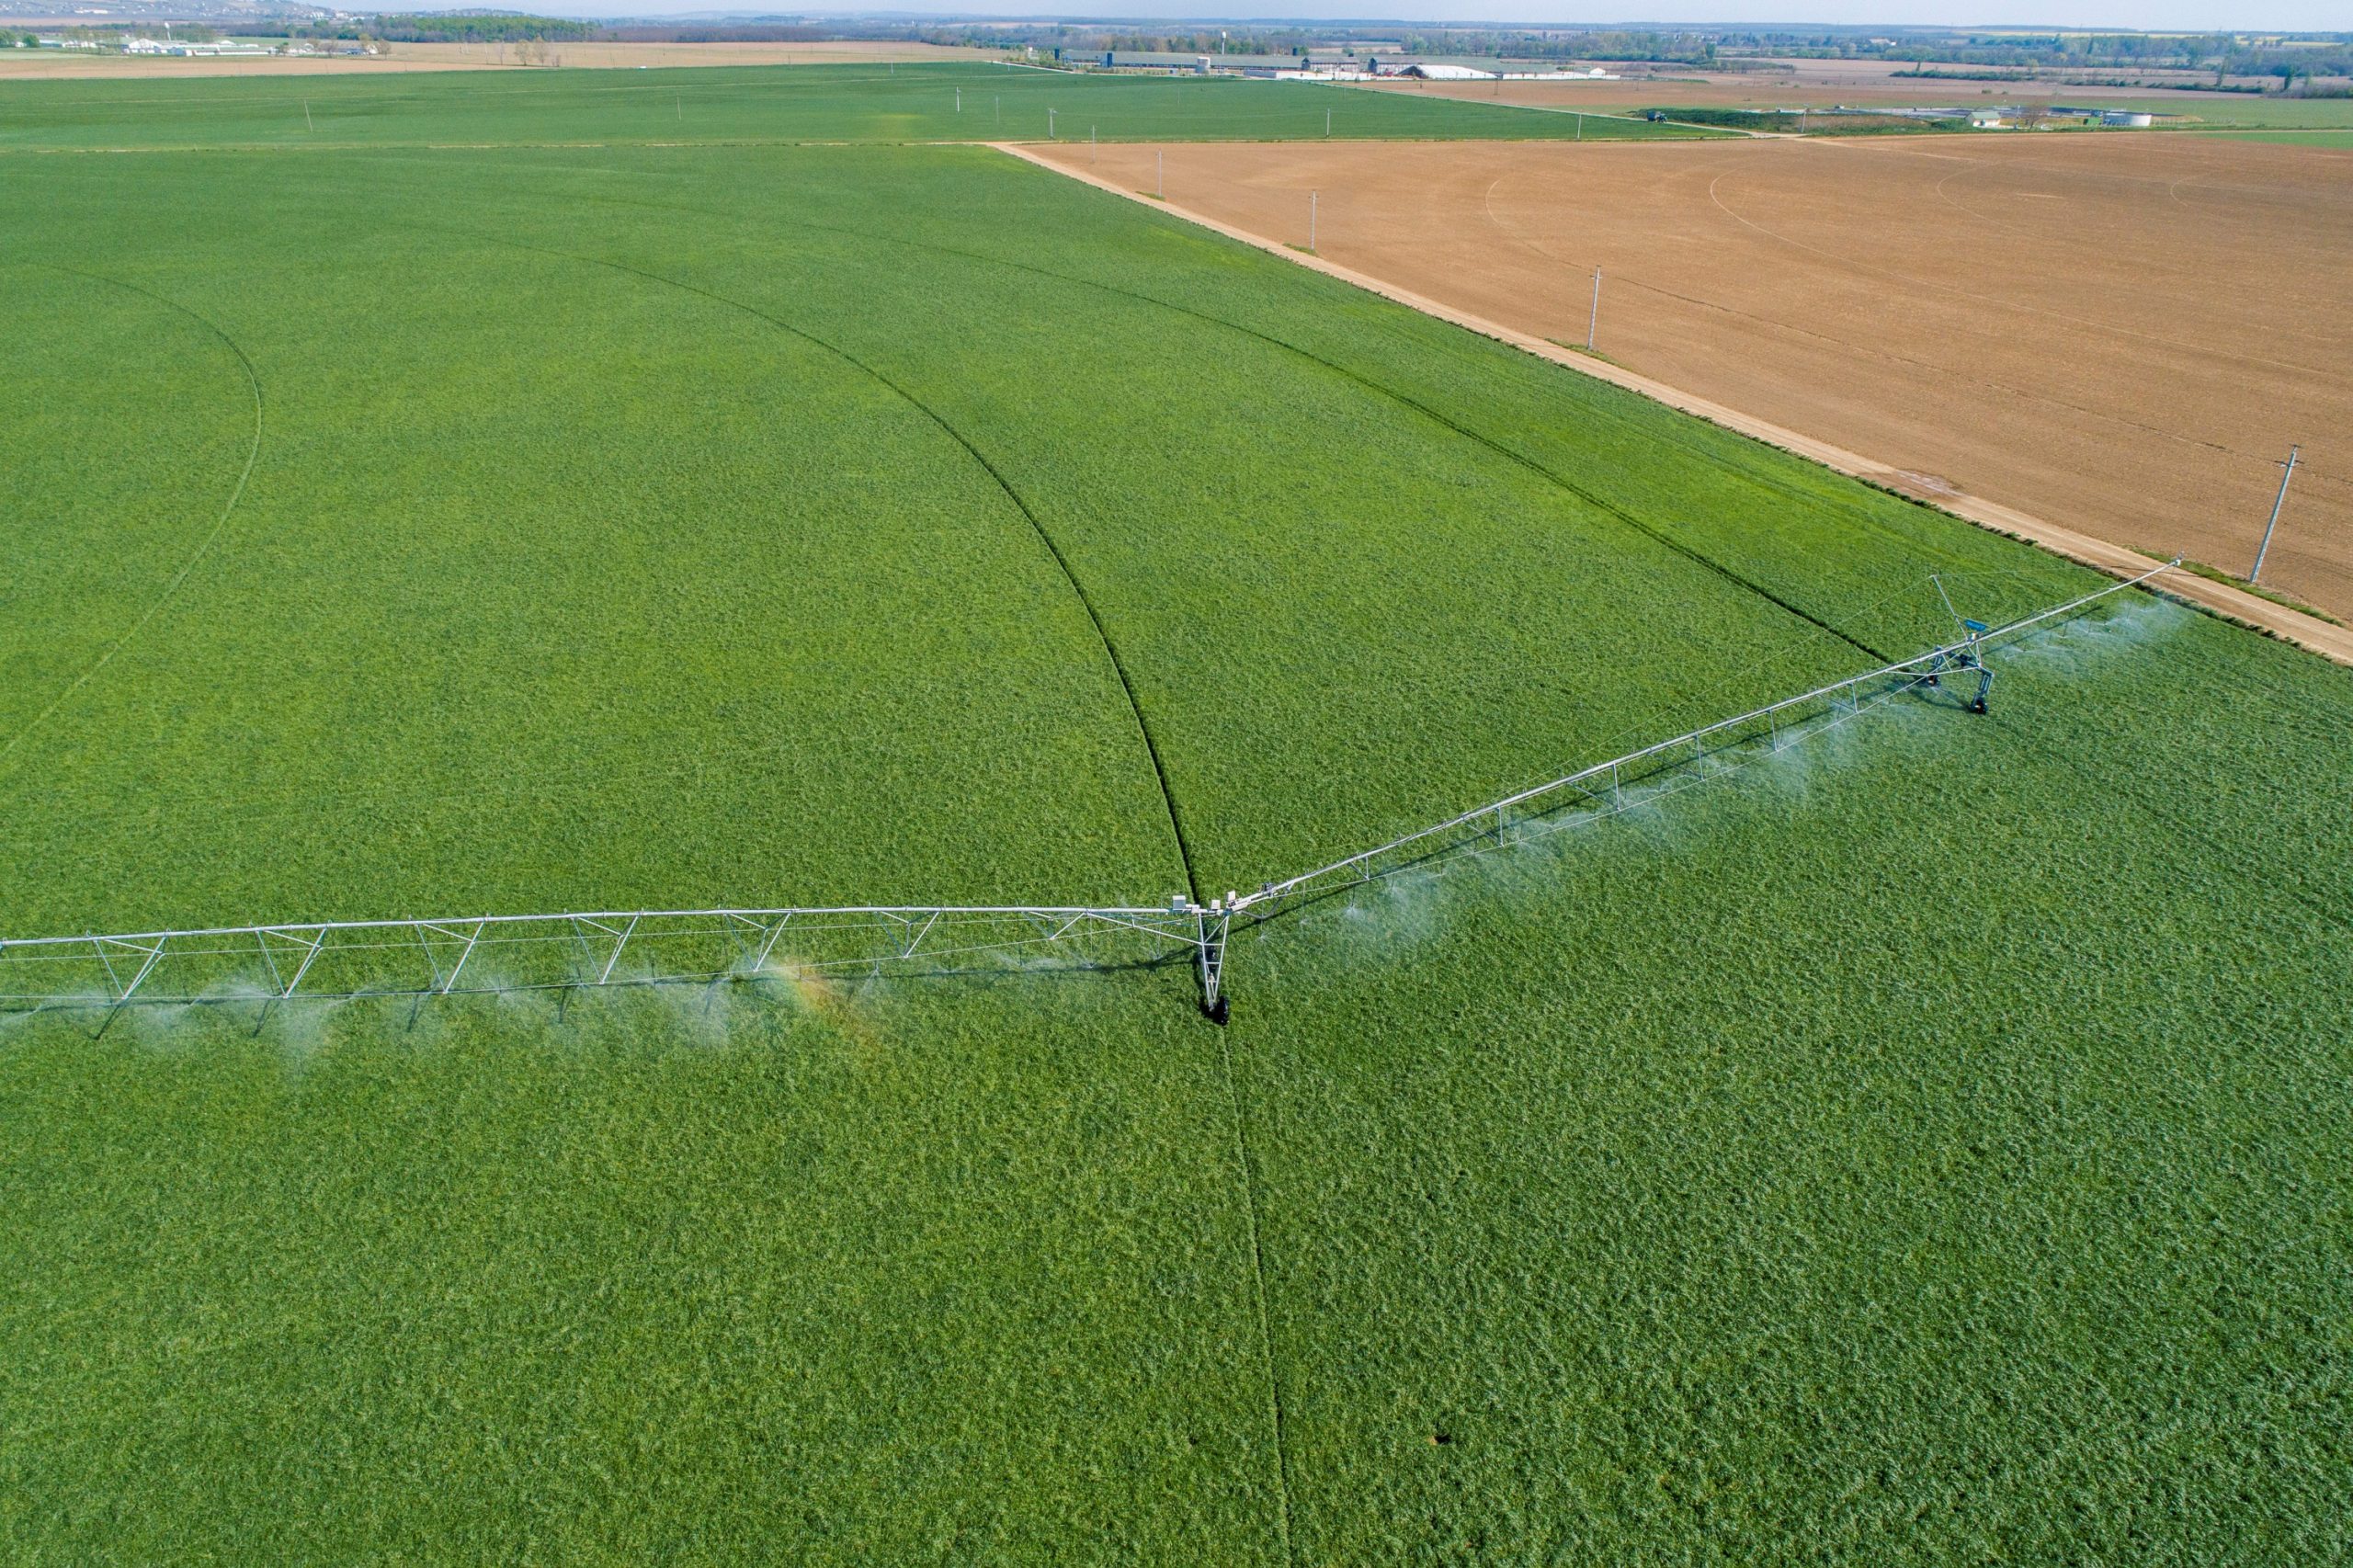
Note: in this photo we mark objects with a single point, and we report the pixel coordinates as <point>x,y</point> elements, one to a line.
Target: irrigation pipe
<point>1914,670</point>
<point>421,957</point>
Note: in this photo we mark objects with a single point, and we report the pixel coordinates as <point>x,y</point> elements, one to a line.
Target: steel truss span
<point>476,954</point>
<point>489,953</point>
<point>1690,758</point>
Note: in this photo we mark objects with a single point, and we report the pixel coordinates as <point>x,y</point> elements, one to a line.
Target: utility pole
<point>1580,127</point>
<point>1049,125</point>
<point>2277,502</point>
<point>1592,319</point>
<point>1311,218</point>
<point>1160,176</point>
<point>1090,146</point>
<point>1328,123</point>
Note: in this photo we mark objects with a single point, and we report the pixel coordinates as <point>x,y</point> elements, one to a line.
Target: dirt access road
<point>2117,334</point>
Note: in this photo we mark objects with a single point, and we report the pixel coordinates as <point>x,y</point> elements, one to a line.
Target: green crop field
<point>2222,110</point>
<point>2294,138</point>
<point>799,103</point>
<point>1927,1144</point>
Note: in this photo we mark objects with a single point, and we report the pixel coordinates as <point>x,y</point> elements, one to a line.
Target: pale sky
<point>2153,15</point>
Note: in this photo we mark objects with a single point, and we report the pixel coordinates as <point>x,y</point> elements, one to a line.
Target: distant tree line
<point>2290,59</point>
<point>1249,41</point>
<point>480,28</point>
<point>720,32</point>
<point>1079,40</point>
<point>1083,38</point>
<point>1555,44</point>
<point>1799,121</point>
<point>111,33</point>
<point>462,27</point>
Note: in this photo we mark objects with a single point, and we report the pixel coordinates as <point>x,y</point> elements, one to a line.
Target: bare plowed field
<point>2120,334</point>
<point>1862,84</point>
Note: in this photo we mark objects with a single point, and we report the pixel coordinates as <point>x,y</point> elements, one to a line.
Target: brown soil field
<point>1816,84</point>
<point>2121,335</point>
<point>35,65</point>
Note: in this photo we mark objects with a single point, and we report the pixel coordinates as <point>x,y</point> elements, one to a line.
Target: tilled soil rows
<point>1822,84</point>
<point>2124,334</point>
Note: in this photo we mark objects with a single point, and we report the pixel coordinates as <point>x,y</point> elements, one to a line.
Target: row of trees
<point>464,28</point>
<point>2224,53</point>
<point>1249,41</point>
<point>721,32</point>
<point>112,36</point>
<point>1515,43</point>
<point>460,28</point>
<point>1553,43</point>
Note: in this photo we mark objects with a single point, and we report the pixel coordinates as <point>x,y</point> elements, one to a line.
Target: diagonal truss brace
<point>67,969</point>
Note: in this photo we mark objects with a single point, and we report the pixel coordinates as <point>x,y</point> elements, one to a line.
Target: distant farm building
<point>1442,71</point>
<point>181,47</point>
<point>1196,64</point>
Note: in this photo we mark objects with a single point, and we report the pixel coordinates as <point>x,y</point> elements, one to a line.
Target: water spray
<point>812,949</point>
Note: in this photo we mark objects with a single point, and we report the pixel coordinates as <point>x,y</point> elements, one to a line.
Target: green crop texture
<point>1927,1144</point>
<point>2250,108</point>
<point>2294,138</point>
<point>799,103</point>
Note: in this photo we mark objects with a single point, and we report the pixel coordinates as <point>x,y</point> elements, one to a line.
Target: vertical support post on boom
<point>1974,659</point>
<point>1210,927</point>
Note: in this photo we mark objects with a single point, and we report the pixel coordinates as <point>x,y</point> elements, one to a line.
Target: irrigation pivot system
<point>486,953</point>
<point>491,953</point>
<point>1665,765</point>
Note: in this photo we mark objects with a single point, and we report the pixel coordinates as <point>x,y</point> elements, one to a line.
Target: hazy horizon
<point>2145,15</point>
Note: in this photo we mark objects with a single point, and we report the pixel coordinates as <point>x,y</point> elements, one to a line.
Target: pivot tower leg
<point>1212,926</point>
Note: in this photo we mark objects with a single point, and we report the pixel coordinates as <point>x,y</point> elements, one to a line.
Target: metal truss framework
<point>1688,758</point>
<point>484,953</point>
<point>487,953</point>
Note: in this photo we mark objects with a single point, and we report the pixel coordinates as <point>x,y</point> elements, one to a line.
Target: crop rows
<point>1924,1143</point>
<point>735,105</point>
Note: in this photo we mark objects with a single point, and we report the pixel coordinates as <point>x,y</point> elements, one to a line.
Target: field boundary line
<point>2250,610</point>
<point>1501,448</point>
<point>154,607</point>
<point>1707,132</point>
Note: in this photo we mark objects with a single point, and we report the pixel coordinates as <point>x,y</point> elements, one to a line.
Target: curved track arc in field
<point>219,526</point>
<point>1021,505</point>
<point>1499,449</point>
